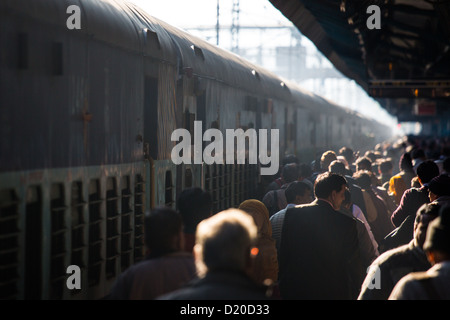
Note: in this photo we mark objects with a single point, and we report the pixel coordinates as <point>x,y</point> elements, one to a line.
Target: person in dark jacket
<point>392,265</point>
<point>275,200</point>
<point>166,268</point>
<point>223,254</point>
<point>319,253</point>
<point>194,204</point>
<point>434,283</point>
<point>413,198</point>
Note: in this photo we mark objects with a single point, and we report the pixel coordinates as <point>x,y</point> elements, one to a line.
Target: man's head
<point>385,167</point>
<point>405,163</point>
<point>363,179</point>
<point>446,165</point>
<point>337,166</point>
<point>194,205</point>
<point>439,186</point>
<point>163,231</point>
<point>290,158</point>
<point>437,243</point>
<point>347,203</point>
<point>290,172</point>
<point>363,163</point>
<point>331,186</point>
<point>348,154</point>
<point>327,157</point>
<point>425,214</point>
<point>298,192</point>
<point>224,242</point>
<point>427,170</point>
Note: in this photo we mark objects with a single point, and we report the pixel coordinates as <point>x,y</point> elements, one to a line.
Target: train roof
<point>113,22</point>
<point>209,61</point>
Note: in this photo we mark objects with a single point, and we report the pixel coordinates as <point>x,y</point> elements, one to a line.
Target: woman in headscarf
<point>265,265</point>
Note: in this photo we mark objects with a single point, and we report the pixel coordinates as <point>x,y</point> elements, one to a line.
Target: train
<point>86,121</point>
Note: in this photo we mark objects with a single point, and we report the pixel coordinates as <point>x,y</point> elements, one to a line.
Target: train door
<point>151,117</point>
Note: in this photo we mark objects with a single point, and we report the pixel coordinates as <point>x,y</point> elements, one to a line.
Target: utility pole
<point>217,24</point>
<point>235,27</point>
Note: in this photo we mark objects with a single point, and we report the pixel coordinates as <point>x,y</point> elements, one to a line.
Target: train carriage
<point>85,135</point>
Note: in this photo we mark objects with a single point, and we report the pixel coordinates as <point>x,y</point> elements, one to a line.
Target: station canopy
<point>396,50</point>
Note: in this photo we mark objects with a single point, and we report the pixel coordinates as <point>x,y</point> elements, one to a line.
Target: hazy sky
<point>184,13</point>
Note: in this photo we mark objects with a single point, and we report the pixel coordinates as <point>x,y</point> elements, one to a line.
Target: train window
<point>126,228</point>
<point>95,233</point>
<point>58,240</point>
<point>268,106</point>
<point>188,178</point>
<point>22,51</point>
<point>112,223</point>
<point>78,228</point>
<point>168,189</point>
<point>138,218</point>
<point>251,103</point>
<point>151,115</point>
<point>189,119</point>
<point>9,246</point>
<point>57,58</point>
<point>33,243</point>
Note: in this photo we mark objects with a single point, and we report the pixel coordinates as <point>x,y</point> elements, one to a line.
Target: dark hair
<point>328,182</point>
<point>446,164</point>
<point>194,205</point>
<point>363,179</point>
<point>337,167</point>
<point>418,153</point>
<point>162,224</point>
<point>440,185</point>
<point>326,158</point>
<point>427,170</point>
<point>405,162</point>
<point>438,232</point>
<point>290,172</point>
<point>290,158</point>
<point>348,197</point>
<point>296,188</point>
<point>364,162</point>
<point>304,170</point>
<point>347,153</point>
<point>385,165</point>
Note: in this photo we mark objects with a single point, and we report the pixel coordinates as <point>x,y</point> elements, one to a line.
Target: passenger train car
<point>85,135</point>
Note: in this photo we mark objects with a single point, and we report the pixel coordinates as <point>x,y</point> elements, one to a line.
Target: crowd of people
<point>348,226</point>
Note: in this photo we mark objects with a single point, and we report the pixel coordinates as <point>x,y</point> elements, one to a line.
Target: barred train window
<point>126,228</point>
<point>78,226</point>
<point>112,225</point>
<point>58,241</point>
<point>95,237</point>
<point>9,245</point>
<point>138,218</point>
<point>33,243</point>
